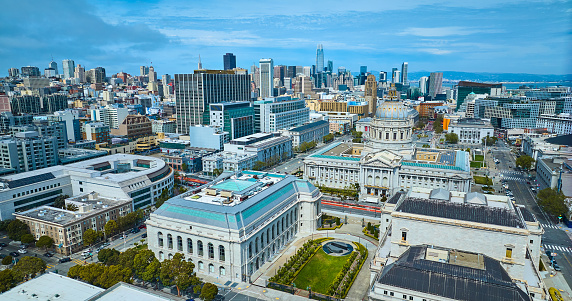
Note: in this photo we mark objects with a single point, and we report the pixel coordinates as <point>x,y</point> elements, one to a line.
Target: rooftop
<point>309,126</point>
<point>451,274</point>
<point>337,151</point>
<point>124,291</point>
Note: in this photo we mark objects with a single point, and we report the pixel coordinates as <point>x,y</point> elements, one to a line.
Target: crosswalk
<point>49,266</point>
<point>80,262</point>
<point>509,172</point>
<point>550,226</point>
<point>509,178</point>
<point>557,248</point>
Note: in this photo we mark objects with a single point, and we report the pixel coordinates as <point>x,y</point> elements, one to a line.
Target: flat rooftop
<point>50,286</point>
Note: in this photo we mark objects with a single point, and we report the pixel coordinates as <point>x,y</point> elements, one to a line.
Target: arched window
<point>211,268</point>
<point>200,247</point>
<point>287,219</point>
<point>161,256</point>
<point>256,245</point>
<point>211,251</point>
<point>189,246</point>
<point>170,256</point>
<point>273,228</point>
<point>160,239</point>
<point>221,253</point>
<point>170,241</point>
<point>201,265</point>
<point>179,243</point>
<point>268,235</point>
<point>282,224</point>
<point>250,250</point>
<point>262,241</point>
<point>222,271</point>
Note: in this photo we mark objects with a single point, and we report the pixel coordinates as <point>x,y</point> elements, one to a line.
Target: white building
<point>490,225</point>
<point>266,78</point>
<point>559,124</point>
<point>548,173</point>
<point>267,147</point>
<point>233,227</point>
<point>140,178</point>
<point>229,161</point>
<point>208,136</point>
<point>314,131</point>
<point>112,117</point>
<point>163,126</point>
<point>277,113</point>
<point>71,118</point>
<point>471,131</point>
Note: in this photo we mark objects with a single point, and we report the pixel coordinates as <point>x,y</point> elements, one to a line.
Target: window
<point>386,136</point>
<point>169,241</point>
<point>201,265</point>
<point>391,293</point>
<point>211,268</point>
<point>410,297</point>
<point>179,243</point>
<point>531,241</point>
<point>222,271</point>
<point>81,190</point>
<point>221,253</point>
<point>200,247</point>
<point>404,297</point>
<point>189,246</point>
<point>160,238</point>
<point>385,292</point>
<point>404,236</point>
<point>508,252</point>
<point>211,251</point>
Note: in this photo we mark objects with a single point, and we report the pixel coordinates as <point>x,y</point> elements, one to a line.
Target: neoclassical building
<point>387,162</point>
<point>234,226</point>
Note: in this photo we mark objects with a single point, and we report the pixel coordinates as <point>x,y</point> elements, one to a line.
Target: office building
<point>163,126</point>
<point>9,120</point>
<point>96,131</point>
<point>194,93</point>
<point>404,79</point>
<point>68,68</point>
<point>66,227</point>
<point>33,104</point>
<point>133,126</point>
<point>143,70</point>
<point>27,151</point>
<point>235,118</point>
<point>423,85</point>
<point>266,78</point>
<point>54,66</point>
<point>49,72</point>
<point>208,137</point>
<point>435,84</point>
<point>319,59</point>
<point>13,72</point>
<point>152,74</point>
<point>229,61</point>
<point>215,227</point>
<point>470,130</point>
<point>310,132</point>
<point>110,116</point>
<point>30,71</point>
<point>464,88</point>
<point>79,73</point>
<point>269,148</point>
<point>95,76</point>
<point>395,75</point>
<point>122,176</point>
<point>555,172</point>
<point>371,93</point>
<point>382,76</point>
<point>277,113</point>
<point>560,124</point>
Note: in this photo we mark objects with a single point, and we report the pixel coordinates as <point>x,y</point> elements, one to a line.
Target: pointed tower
<point>200,64</point>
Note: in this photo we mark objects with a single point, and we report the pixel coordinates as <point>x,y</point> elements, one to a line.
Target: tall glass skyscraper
<point>320,59</point>
<point>229,61</point>
<point>69,67</point>
<point>404,80</point>
<point>266,77</point>
<point>53,65</point>
<point>435,83</point>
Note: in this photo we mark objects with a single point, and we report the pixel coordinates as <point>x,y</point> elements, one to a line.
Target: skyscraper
<point>371,93</point>
<point>383,76</point>
<point>152,74</point>
<point>362,70</point>
<point>404,80</point>
<point>80,73</point>
<point>330,67</point>
<point>279,73</point>
<point>144,70</point>
<point>395,75</point>
<point>13,72</point>
<point>266,77</point>
<point>30,71</point>
<point>69,67</point>
<point>435,83</point>
<point>194,93</point>
<point>319,59</point>
<point>423,84</point>
<point>229,61</point>
<point>53,65</point>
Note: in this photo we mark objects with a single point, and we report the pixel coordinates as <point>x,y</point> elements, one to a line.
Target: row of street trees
<point>112,227</point>
<point>26,268</point>
<point>143,265</point>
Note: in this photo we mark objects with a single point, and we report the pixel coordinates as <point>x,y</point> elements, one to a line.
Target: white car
<point>22,251</point>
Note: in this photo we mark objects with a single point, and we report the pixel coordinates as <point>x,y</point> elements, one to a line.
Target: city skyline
<point>438,35</point>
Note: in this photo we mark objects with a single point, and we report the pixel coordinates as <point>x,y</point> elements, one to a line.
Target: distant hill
<point>489,77</point>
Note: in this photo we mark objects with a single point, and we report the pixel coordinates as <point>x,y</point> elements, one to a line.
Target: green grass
<point>483,180</point>
<point>320,272</point>
<point>479,158</point>
<point>475,164</point>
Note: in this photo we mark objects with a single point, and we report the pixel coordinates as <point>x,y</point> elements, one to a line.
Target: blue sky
<point>531,36</point>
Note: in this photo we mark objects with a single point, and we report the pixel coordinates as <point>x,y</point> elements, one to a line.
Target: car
<point>23,251</point>
<point>48,254</point>
<point>144,235</point>
<point>2,244</point>
<point>65,259</point>
<point>23,246</point>
<point>14,254</point>
<point>142,227</point>
<point>135,230</point>
<point>556,267</point>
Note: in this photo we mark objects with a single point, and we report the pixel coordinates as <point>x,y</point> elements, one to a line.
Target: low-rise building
<point>163,126</point>
<point>471,131</point>
<point>66,227</point>
<point>560,124</point>
<point>269,148</point>
<point>134,126</point>
<point>311,132</point>
<point>233,227</point>
<point>96,131</point>
<point>551,170</point>
<point>208,137</point>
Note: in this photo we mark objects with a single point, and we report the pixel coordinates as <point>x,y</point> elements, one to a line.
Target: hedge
<point>361,249</point>
<point>333,228</point>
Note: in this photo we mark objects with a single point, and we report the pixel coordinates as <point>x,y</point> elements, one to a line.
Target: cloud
<point>445,31</point>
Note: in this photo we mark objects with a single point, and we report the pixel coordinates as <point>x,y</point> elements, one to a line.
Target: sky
<point>496,36</point>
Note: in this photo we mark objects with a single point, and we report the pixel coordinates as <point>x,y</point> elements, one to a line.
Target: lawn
<point>483,180</point>
<point>479,158</point>
<point>320,272</point>
<point>475,164</point>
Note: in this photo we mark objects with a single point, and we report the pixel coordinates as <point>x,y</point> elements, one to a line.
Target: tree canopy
<point>90,236</point>
<point>208,292</point>
<point>45,242</point>
<point>8,279</point>
<point>178,272</point>
<point>28,267</point>
<point>553,202</point>
<point>525,162</point>
<point>27,238</point>
<point>110,227</point>
<point>16,229</point>
<point>452,138</point>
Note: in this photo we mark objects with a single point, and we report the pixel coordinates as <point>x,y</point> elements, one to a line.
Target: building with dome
<point>388,162</point>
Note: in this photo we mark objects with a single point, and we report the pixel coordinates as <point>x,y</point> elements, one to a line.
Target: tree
<point>142,260</point>
<point>152,272</point>
<point>28,267</point>
<point>452,138</point>
<point>162,198</point>
<point>111,275</point>
<point>178,272</point>
<point>217,172</point>
<point>45,242</point>
<point>7,260</point>
<point>209,292</point>
<point>438,124</point>
<point>553,202</point>
<point>259,165</point>
<point>525,162</point>
<point>329,137</point>
<point>184,166</point>
<point>27,238</point>
<point>60,201</point>
<point>7,279</point>
<point>126,258</point>
<point>90,236</point>
<point>16,229</point>
<point>490,140</point>
<point>110,227</point>
<point>71,207</point>
<point>108,256</point>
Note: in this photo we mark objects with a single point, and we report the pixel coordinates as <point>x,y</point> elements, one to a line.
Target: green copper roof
<point>431,165</point>
<point>233,185</point>
<point>336,157</point>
